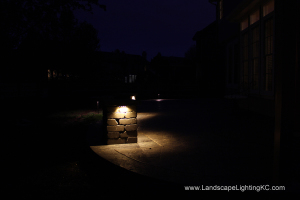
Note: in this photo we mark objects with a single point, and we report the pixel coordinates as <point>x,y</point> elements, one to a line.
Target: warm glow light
<point>254,17</point>
<point>132,97</point>
<point>123,109</point>
<point>268,8</point>
<point>49,74</point>
<point>244,24</point>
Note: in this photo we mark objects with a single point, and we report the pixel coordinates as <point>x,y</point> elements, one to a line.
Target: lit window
<point>54,73</point>
<point>268,71</point>
<point>221,8</point>
<point>131,78</point>
<point>268,8</point>
<point>244,24</point>
<point>255,58</point>
<point>245,60</point>
<point>49,74</point>
<point>254,17</point>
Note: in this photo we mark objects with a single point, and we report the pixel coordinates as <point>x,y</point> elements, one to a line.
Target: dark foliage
<point>30,20</point>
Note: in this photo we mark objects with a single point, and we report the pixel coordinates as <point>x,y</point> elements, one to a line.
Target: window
<point>221,8</point>
<point>245,57</point>
<point>255,58</point>
<point>54,74</point>
<point>268,69</point>
<point>254,17</point>
<point>131,78</point>
<point>268,8</point>
<point>49,74</point>
<point>257,54</point>
<point>230,64</point>
<point>244,24</point>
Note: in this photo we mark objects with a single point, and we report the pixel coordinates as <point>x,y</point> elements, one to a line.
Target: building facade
<point>269,57</point>
<point>257,52</point>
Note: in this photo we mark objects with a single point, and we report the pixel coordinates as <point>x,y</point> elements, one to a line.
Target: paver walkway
<point>194,142</point>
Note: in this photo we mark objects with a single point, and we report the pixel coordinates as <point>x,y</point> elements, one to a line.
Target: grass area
<point>50,158</point>
<point>48,152</point>
<point>75,116</point>
<point>91,117</point>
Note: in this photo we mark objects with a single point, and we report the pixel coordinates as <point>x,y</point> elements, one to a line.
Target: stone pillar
<point>120,122</point>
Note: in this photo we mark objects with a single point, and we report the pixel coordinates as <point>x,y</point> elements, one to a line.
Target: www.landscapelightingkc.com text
<point>241,188</point>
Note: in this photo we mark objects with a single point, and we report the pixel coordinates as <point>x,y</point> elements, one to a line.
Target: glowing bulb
<point>132,97</point>
<point>123,109</point>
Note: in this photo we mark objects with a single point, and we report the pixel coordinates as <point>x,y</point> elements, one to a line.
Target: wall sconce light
<point>132,97</point>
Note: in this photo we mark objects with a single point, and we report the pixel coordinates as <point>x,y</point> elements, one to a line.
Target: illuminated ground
<point>193,142</point>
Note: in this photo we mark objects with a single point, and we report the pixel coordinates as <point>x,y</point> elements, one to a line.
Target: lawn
<point>46,155</point>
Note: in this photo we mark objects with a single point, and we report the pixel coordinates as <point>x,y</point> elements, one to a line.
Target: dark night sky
<point>134,26</point>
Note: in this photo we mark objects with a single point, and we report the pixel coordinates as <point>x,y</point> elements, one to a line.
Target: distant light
<point>123,109</point>
<point>132,97</point>
<point>158,99</point>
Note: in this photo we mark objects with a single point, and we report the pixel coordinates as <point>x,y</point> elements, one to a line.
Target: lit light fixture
<point>123,109</point>
<point>132,97</point>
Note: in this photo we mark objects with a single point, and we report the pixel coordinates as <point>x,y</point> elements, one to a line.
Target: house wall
<point>283,97</point>
<point>210,74</point>
<point>297,89</point>
<point>247,75</point>
<point>287,66</point>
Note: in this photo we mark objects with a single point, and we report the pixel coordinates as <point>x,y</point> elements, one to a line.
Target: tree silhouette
<point>46,34</point>
<point>47,19</point>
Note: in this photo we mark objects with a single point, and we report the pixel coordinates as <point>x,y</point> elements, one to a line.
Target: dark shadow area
<point>234,146</point>
<point>54,80</point>
<point>50,156</point>
<point>47,155</point>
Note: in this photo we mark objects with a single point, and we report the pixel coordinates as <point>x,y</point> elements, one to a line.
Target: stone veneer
<point>121,124</point>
